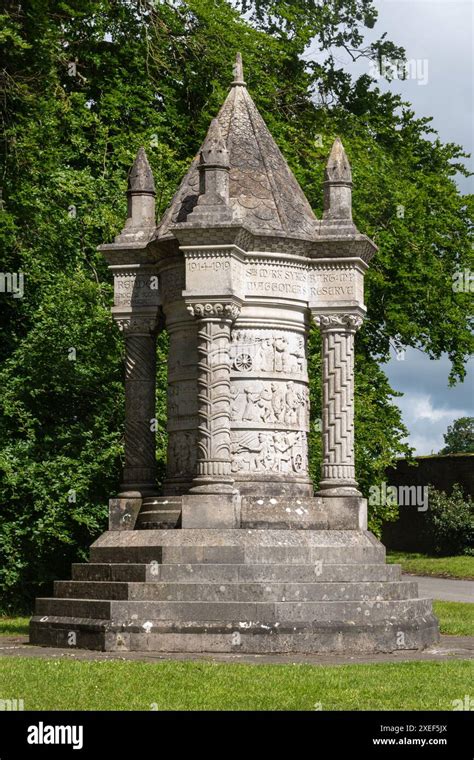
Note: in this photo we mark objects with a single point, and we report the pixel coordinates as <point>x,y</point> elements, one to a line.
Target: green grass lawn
<point>57,684</point>
<point>455,618</point>
<point>117,685</point>
<point>11,626</point>
<point>441,567</point>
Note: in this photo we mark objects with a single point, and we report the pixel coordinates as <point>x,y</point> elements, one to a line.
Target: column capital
<point>214,310</point>
<point>139,324</point>
<point>340,321</point>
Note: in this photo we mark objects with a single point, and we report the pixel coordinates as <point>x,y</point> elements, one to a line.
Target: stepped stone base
<point>248,590</point>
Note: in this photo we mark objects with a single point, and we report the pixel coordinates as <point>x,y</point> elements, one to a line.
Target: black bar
<point>150,734</point>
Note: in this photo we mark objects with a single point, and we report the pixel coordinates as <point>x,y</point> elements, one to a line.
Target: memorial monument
<point>235,553</point>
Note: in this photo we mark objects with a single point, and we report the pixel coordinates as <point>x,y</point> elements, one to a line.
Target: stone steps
<point>220,546</point>
<point>230,555</point>
<point>236,592</point>
<point>214,573</point>
<point>230,612</point>
<point>238,638</point>
<point>254,591</point>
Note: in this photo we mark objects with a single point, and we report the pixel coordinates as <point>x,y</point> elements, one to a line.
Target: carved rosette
<point>338,470</point>
<point>214,401</point>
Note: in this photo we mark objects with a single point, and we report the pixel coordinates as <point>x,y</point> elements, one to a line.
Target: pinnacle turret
<point>214,150</point>
<point>338,188</point>
<point>140,178</point>
<point>338,168</point>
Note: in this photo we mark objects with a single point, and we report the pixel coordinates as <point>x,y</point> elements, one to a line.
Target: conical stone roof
<point>263,192</point>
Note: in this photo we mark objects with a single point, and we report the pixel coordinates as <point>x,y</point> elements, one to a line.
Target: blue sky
<point>438,36</point>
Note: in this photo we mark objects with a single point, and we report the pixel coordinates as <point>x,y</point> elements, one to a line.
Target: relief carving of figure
<point>280,345</point>
<point>181,454</point>
<point>265,405</point>
<point>292,405</point>
<point>250,413</point>
<point>173,400</point>
<point>235,407</point>
<point>278,402</point>
<point>298,356</point>
<point>282,452</point>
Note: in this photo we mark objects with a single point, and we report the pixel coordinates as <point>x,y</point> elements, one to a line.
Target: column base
<point>210,487</point>
<point>159,513</point>
<point>330,488</point>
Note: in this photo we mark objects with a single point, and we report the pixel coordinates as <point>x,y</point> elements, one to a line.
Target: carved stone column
<point>140,381</point>
<point>338,470</point>
<point>214,400</point>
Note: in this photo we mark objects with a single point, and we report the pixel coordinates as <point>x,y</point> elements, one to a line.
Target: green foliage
<point>459,438</point>
<point>450,522</point>
<point>154,75</point>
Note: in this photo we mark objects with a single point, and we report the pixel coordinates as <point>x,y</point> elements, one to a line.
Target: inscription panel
<point>280,280</point>
<point>335,284</point>
<point>136,289</point>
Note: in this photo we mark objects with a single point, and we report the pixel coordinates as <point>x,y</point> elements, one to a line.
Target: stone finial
<point>338,168</point>
<point>140,178</point>
<point>214,151</point>
<point>238,71</point>
<point>338,188</point>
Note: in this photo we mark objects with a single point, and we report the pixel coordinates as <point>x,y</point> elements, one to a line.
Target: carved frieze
<point>267,352</point>
<point>274,404</point>
<point>277,452</point>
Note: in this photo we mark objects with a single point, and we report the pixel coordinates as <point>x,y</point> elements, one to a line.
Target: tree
<point>85,83</point>
<point>459,438</point>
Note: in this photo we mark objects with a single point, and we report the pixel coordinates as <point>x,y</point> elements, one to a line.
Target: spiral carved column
<point>214,400</point>
<point>338,466</point>
<point>140,380</point>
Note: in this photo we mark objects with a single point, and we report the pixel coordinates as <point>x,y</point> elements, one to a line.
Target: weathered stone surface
<point>252,637</point>
<point>232,573</point>
<point>123,513</point>
<point>213,511</point>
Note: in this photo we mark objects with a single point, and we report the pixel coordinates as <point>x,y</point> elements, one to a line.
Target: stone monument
<point>235,553</point>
